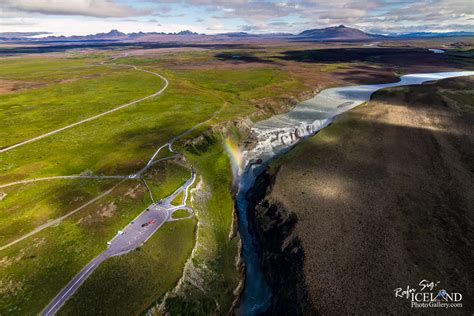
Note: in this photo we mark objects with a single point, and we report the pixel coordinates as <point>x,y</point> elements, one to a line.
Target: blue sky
<point>68,17</point>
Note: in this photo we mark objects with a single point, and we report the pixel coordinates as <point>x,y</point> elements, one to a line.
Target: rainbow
<point>234,153</point>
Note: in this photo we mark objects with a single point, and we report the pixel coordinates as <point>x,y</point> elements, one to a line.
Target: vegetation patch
<point>27,114</point>
<point>28,206</point>
<point>180,214</point>
<point>178,199</point>
<point>214,259</point>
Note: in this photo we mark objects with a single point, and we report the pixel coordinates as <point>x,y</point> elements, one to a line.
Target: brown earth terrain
<point>9,86</point>
<point>381,199</point>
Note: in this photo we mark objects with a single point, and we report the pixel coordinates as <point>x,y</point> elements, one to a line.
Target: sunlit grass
<point>35,269</point>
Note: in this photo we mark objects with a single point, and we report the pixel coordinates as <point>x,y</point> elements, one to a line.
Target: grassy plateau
<point>210,95</point>
<point>54,91</point>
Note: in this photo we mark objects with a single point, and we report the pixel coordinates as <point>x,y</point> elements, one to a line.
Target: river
<point>278,134</point>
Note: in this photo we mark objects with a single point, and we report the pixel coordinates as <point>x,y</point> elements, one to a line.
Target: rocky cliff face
<point>378,201</point>
<point>281,251</point>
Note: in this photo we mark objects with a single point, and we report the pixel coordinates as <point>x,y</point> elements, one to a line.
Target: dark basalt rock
<point>281,251</point>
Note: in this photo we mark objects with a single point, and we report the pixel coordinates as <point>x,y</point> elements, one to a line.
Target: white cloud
<point>256,15</point>
<point>94,8</point>
<point>368,14</point>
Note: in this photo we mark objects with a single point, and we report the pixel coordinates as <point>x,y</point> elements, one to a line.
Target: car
<point>133,222</point>
<point>109,243</point>
<point>145,224</point>
<point>120,232</point>
<point>153,221</point>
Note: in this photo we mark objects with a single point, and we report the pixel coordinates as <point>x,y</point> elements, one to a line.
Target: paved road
<point>95,116</point>
<point>132,236</point>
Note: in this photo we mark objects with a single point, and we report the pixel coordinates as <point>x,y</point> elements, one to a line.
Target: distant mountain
<point>337,33</point>
<point>261,35</point>
<point>431,34</point>
<point>112,33</point>
<point>236,34</point>
<point>187,32</point>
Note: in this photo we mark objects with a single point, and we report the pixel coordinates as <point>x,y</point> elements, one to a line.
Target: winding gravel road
<point>151,162</point>
<point>95,116</point>
<point>140,229</point>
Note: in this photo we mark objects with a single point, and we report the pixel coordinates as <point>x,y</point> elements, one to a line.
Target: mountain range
<point>335,33</point>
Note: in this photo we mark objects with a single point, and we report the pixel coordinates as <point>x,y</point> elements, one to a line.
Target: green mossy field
<point>57,91</point>
<point>26,114</point>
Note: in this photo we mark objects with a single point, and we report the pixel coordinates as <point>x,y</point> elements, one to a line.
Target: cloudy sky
<point>68,17</point>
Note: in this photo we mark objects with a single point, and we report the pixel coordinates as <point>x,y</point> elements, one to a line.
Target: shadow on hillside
<point>243,57</point>
<point>395,56</point>
<point>373,182</point>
